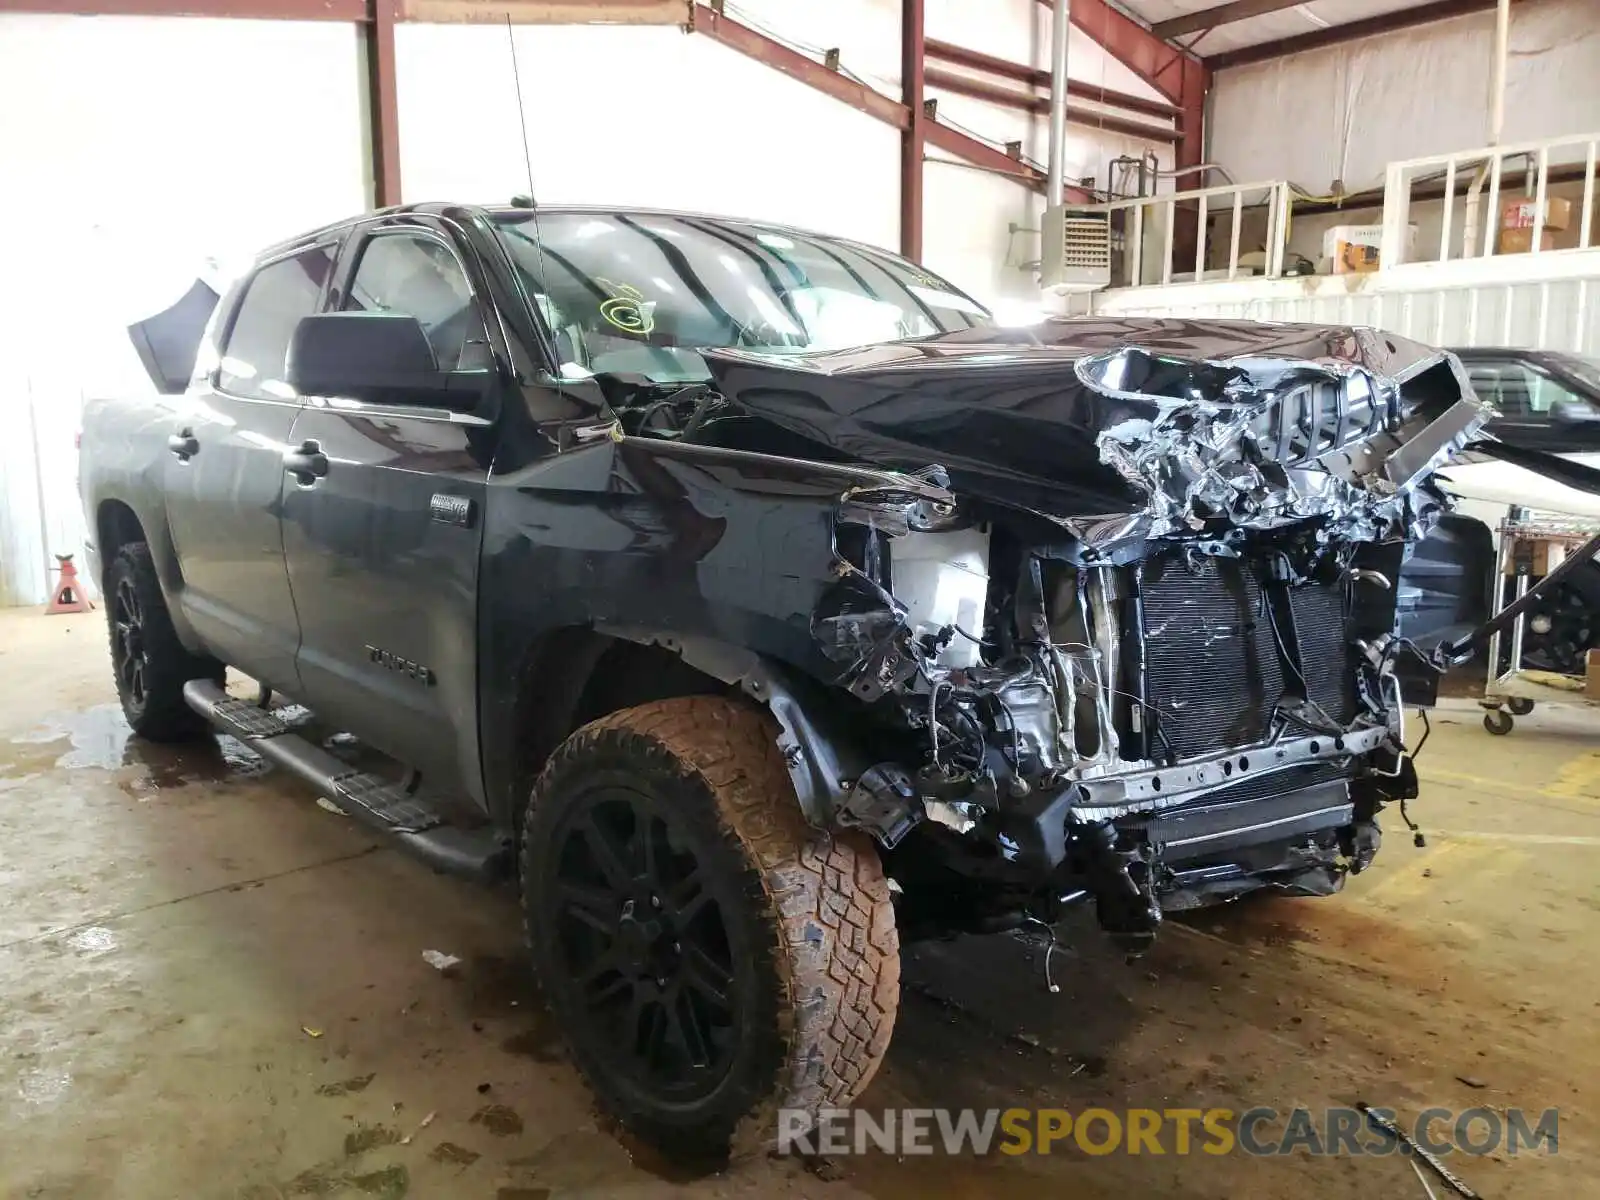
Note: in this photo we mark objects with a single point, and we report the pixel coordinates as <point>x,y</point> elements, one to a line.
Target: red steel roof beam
<point>1035,77</point>
<point>913,141</point>
<point>1006,98</point>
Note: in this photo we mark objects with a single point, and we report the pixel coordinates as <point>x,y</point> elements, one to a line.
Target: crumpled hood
<point>1182,424</point>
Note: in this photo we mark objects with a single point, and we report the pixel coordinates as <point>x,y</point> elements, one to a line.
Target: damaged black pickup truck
<point>757,603</point>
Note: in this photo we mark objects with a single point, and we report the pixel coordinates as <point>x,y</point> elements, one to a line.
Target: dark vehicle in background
<point>1541,399</point>
<point>706,577</point>
<point>1548,401</point>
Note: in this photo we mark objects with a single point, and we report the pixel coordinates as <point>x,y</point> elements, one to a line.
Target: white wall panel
<point>1345,111</point>
<point>121,174</point>
<point>1550,304</point>
<point>644,116</point>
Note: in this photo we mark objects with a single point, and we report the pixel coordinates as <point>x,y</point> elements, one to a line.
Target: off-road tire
<point>814,906</point>
<point>155,709</point>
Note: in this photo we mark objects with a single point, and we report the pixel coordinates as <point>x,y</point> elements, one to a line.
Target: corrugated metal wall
<point>38,488</point>
<point>1345,111</point>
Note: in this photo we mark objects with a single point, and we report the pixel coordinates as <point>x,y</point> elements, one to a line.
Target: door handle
<point>307,464</point>
<point>184,444</point>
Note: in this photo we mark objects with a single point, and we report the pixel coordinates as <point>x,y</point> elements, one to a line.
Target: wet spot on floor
<point>578,1160</point>
<point>522,1193</point>
<point>499,1119</point>
<point>679,1170</point>
<point>454,1155</point>
<point>347,1087</point>
<point>99,738</point>
<point>498,986</point>
<point>93,941</point>
<point>47,1087</point>
<point>74,1186</point>
<point>368,1137</point>
<point>541,1043</point>
<point>320,1180</point>
<point>333,1178</point>
<point>391,1183</point>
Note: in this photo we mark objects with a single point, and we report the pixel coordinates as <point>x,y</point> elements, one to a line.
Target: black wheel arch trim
<point>823,762</point>
<point>154,531</point>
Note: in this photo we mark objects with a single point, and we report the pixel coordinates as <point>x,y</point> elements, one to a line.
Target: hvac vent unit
<point>1076,249</point>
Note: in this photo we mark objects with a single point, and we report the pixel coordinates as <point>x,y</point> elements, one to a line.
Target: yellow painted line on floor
<point>1437,774</point>
<point>1574,784</point>
<point>1407,882</point>
<point>1578,779</point>
<point>1525,839</point>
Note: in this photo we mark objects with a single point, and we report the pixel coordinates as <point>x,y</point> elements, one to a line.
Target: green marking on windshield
<point>627,309</point>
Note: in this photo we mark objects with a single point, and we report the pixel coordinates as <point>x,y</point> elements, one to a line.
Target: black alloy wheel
<point>710,958</point>
<point>129,657</point>
<point>148,662</point>
<point>645,945</point>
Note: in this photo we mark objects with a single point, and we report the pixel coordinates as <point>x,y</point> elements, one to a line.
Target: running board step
<point>387,807</point>
<point>388,802</point>
<point>246,718</point>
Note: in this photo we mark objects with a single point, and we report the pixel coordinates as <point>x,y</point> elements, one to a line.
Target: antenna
<point>541,319</point>
<point>522,115</point>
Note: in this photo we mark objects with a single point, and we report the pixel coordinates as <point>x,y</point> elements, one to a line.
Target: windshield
<point>639,294</point>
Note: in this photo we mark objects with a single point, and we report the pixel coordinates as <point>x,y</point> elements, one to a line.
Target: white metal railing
<point>1485,166</point>
<point>1154,219</point>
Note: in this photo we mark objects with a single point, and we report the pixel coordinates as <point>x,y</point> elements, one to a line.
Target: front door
<point>382,547</point>
<point>223,474</point>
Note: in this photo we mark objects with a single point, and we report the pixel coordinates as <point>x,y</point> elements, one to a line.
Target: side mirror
<point>1572,412</point>
<point>382,358</point>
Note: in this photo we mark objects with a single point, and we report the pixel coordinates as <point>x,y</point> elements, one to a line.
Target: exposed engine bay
<point>1157,705</point>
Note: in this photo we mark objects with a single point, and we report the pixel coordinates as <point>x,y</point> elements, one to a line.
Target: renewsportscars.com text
<point>1258,1131</point>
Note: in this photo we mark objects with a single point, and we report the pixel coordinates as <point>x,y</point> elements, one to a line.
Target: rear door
<point>383,547</point>
<point>223,475</point>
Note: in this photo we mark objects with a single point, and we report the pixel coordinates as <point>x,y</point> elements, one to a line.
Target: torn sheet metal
<point>1263,443</point>
<point>1119,429</point>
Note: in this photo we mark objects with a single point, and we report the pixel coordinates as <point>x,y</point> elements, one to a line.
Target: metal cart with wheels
<point>1531,546</point>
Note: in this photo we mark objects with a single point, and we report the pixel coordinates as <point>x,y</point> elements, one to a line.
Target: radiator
<point>1212,667</point>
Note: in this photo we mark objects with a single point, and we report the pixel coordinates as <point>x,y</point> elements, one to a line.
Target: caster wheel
<point>1498,722</point>
<point>1520,706</point>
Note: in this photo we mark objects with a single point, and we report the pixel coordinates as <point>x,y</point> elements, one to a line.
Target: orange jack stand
<point>69,597</point>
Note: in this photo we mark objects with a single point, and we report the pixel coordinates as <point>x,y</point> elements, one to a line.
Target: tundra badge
<point>451,510</point>
<point>405,666</point>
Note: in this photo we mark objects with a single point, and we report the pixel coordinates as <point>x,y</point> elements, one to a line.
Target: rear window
<point>275,299</point>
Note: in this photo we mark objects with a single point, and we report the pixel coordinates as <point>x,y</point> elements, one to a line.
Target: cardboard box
<point>1353,249</point>
<point>1520,241</point>
<point>1591,675</point>
<point>1354,258</point>
<point>1355,235</point>
<point>1536,557</point>
<point>1521,213</point>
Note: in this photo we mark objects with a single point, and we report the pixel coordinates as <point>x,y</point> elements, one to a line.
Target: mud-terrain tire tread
<point>164,717</point>
<point>826,900</point>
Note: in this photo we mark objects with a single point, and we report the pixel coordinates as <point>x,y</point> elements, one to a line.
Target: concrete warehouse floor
<point>212,987</point>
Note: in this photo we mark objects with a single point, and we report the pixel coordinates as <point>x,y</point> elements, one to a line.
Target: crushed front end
<point>1152,653</point>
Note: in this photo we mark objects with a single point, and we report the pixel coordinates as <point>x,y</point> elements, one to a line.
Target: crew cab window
<point>275,299</point>
<point>418,276</point>
<point>1516,390</point>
